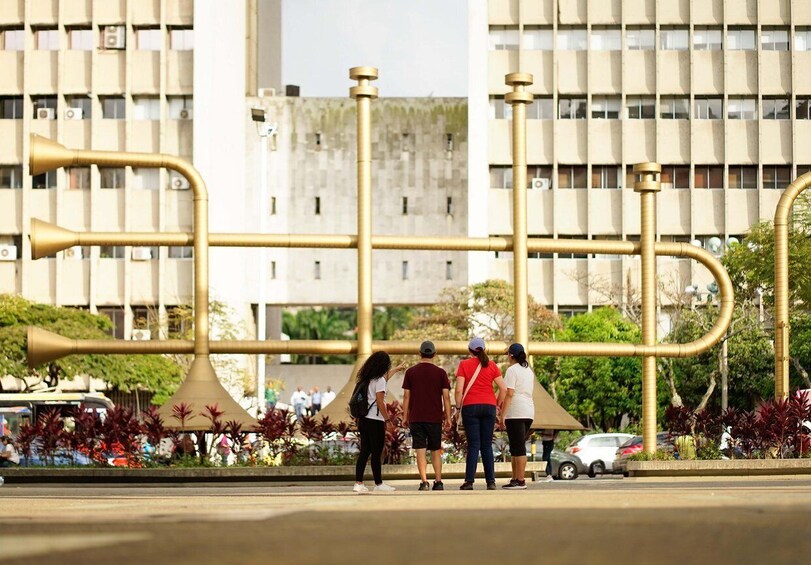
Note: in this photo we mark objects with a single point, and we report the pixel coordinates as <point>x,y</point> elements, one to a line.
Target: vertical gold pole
<point>519,99</point>
<point>648,186</point>
<point>363,93</point>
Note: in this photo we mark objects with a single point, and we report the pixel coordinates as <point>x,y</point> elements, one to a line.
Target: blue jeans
<point>479,421</point>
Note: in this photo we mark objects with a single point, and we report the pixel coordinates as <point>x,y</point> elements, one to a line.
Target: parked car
<point>597,451</point>
<point>633,446</point>
<point>566,467</point>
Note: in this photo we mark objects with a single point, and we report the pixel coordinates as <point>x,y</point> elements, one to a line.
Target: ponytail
<point>521,358</point>
<point>481,356</point>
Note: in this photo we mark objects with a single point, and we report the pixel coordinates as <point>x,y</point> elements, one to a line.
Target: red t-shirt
<point>482,390</point>
<point>426,381</point>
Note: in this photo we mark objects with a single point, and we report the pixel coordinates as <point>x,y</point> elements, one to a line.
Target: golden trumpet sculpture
<point>47,239</point>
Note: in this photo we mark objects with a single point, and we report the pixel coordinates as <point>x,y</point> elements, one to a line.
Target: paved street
<point>585,521</point>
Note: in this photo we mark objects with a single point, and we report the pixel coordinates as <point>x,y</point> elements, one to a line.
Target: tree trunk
<point>708,394</point>
<point>803,373</point>
<point>670,379</point>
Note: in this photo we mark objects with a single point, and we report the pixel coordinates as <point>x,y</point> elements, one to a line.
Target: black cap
<point>427,348</point>
<point>516,349</point>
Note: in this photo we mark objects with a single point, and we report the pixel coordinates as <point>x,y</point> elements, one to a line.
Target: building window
<point>709,176</point>
<point>405,205</point>
<point>803,108</point>
<point>774,39</point>
<point>448,142</point>
<point>317,205</point>
<point>542,109</point>
<point>500,110</point>
<point>802,169</point>
<point>501,176</point>
<point>674,39</point>
<point>272,205</point>
<point>82,103</point>
<point>44,103</point>
<point>180,107</point>
<point>449,205</point>
<point>605,176</point>
<point>113,107</point>
<point>183,252</point>
<point>148,39</point>
<point>802,39</point>
<point>405,270</point>
<point>605,39</point>
<point>640,39</point>
<point>572,40</point>
<point>742,108</point>
<point>776,108</point>
<point>572,108</point>
<point>12,39</point>
<point>504,38</point>
<point>111,251</point>
<point>273,270</point>
<point>448,270</point>
<point>742,176</point>
<point>572,176</point>
<point>709,108</point>
<point>46,39</point>
<point>11,176</point>
<point>640,107</point>
<point>317,270</point>
<point>78,178</point>
<point>674,176</point>
<point>80,39</point>
<point>45,180</point>
<point>146,179</point>
<point>112,177</point>
<point>605,107</point>
<point>539,177</point>
<point>776,177</point>
<point>181,38</point>
<point>538,38</point>
<point>740,39</point>
<point>318,139</point>
<point>11,107</point>
<point>707,39</point>
<point>146,108</point>
<point>116,316</point>
<point>674,108</point>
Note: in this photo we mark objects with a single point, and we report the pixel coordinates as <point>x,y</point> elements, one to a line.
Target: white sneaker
<point>549,479</point>
<point>360,488</point>
<point>383,487</point>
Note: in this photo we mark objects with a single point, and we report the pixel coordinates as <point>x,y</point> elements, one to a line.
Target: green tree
<point>598,391</point>
<point>124,372</point>
<point>320,324</point>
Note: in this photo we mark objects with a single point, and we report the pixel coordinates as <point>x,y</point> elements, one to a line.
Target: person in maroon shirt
<point>426,397</point>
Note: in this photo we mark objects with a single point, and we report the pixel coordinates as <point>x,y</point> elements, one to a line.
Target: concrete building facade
<point>714,90</point>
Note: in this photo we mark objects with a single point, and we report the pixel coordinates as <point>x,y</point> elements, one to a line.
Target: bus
<point>18,408</point>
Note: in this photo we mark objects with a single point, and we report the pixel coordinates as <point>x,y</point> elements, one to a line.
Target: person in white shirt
<point>373,375</point>
<point>298,400</point>
<point>517,412</point>
<point>327,397</point>
<point>8,454</point>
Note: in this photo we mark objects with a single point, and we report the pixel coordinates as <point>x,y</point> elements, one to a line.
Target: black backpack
<point>358,403</point>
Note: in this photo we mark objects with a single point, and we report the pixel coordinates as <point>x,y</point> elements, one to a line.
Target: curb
<point>725,468</point>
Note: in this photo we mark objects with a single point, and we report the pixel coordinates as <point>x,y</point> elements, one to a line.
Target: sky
<point>419,46</point>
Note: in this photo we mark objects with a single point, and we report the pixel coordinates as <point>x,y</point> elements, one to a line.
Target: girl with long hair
<point>517,412</point>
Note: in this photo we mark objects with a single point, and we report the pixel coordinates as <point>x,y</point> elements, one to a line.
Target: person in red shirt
<point>474,393</point>
<point>426,396</point>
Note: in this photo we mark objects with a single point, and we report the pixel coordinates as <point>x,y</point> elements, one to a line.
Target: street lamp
<point>265,130</point>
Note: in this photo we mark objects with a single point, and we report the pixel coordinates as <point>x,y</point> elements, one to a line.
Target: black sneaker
<point>491,486</point>
<point>516,485</point>
<point>438,486</point>
<point>511,484</point>
<point>424,485</point>
<point>466,486</point>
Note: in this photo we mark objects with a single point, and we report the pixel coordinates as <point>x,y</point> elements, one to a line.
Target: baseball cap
<point>427,348</point>
<point>516,349</point>
<point>476,343</point>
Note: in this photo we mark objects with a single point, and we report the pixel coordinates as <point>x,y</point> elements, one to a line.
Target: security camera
<point>258,115</point>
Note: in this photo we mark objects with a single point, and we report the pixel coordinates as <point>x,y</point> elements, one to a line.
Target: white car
<point>597,451</point>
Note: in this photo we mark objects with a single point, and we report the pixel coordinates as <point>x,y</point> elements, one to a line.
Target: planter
<point>725,468</point>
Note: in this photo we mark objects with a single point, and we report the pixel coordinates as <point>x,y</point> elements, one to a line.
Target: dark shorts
<point>426,435</point>
<point>517,433</point>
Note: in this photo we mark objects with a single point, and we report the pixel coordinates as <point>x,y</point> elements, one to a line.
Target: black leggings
<point>372,440</point>
<point>517,433</point>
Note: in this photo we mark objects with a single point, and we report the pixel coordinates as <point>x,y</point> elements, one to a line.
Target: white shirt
<point>327,397</point>
<point>520,379</point>
<point>299,397</point>
<point>375,386</point>
<point>12,454</point>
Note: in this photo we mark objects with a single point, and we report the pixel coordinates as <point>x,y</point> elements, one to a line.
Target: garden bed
<point>725,468</point>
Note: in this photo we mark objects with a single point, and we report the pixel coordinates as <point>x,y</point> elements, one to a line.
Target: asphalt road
<point>584,521</point>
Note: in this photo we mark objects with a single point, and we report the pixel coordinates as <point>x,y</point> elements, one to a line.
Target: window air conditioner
<point>74,114</point>
<point>45,113</point>
<point>185,114</point>
<point>141,335</point>
<point>8,252</point>
<point>74,252</point>
<point>539,183</point>
<point>141,254</point>
<point>179,183</point>
<point>114,37</point>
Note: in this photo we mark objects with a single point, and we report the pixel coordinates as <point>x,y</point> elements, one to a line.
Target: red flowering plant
<point>122,437</point>
<point>279,430</point>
